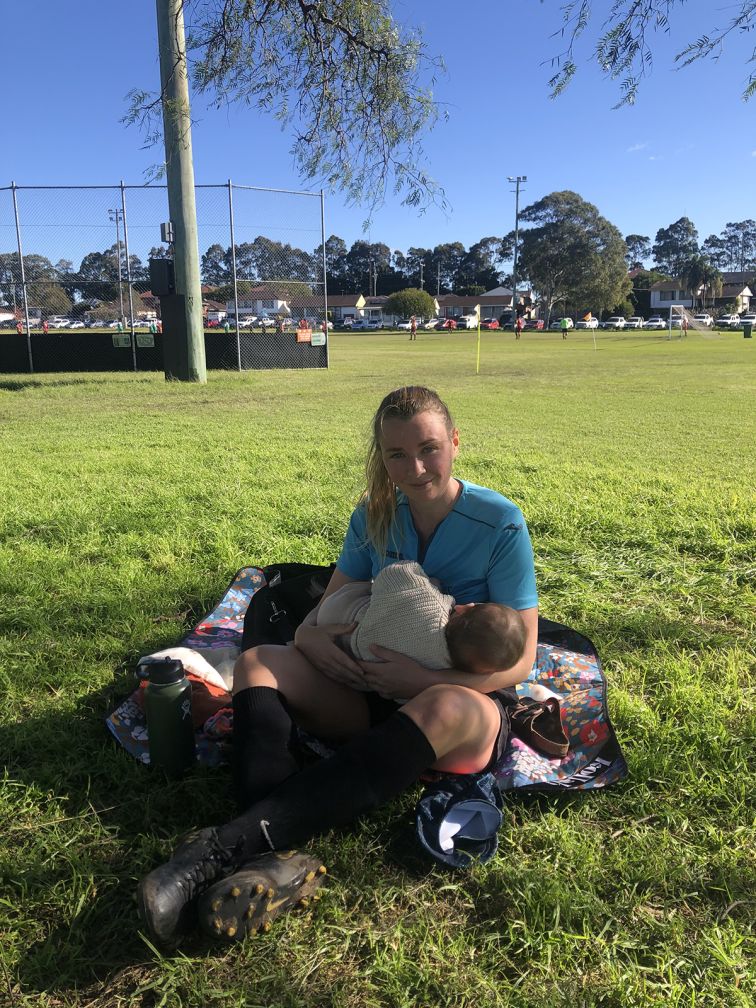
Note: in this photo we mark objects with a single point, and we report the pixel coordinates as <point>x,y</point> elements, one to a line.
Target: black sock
<point>264,743</point>
<point>366,772</point>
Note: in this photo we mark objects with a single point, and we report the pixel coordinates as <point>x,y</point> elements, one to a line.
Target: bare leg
<point>460,724</point>
<point>319,705</point>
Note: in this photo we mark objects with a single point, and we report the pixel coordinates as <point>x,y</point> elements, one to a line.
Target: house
<point>735,289</point>
<point>492,304</point>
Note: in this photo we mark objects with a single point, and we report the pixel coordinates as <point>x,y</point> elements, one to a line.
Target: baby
<point>403,610</point>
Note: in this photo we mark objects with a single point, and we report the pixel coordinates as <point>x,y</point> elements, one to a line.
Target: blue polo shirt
<point>480,552</point>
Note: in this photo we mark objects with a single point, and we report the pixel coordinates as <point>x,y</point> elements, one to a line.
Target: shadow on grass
<point>71,894</point>
<point>24,384</point>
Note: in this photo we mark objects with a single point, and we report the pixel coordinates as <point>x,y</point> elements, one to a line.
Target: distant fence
<point>82,252</point>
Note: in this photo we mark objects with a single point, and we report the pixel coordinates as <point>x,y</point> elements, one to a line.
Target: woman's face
<point>418,455</point>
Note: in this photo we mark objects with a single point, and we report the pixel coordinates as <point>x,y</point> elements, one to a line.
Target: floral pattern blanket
<point>567,666</point>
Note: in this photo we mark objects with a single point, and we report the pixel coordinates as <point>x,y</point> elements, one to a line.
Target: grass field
<point>128,503</point>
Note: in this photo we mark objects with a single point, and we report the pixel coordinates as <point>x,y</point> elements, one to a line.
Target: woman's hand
<point>394,675</point>
<point>317,645</point>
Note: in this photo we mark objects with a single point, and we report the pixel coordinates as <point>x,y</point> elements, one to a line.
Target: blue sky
<point>688,146</point>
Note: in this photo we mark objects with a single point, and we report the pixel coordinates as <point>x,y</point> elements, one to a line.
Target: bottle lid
<point>161,671</point>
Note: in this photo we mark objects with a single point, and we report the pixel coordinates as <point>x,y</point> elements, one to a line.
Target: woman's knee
<point>259,666</point>
<point>448,711</point>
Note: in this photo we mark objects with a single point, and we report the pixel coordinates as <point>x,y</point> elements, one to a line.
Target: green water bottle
<point>168,705</point>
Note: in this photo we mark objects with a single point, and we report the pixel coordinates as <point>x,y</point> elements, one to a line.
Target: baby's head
<point>483,638</point>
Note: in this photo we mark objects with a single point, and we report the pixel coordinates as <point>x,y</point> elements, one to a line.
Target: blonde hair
<point>379,496</point>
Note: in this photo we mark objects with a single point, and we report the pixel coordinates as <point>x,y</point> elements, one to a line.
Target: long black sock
<point>366,772</point>
<point>264,743</point>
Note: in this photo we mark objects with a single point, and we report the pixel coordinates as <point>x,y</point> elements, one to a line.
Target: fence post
<point>325,277</point>
<point>233,267</point>
<point>23,279</point>
<point>128,275</point>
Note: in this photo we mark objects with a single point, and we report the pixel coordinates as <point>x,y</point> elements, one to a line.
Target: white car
<point>58,323</point>
<point>431,323</point>
<point>615,322</point>
<point>404,323</point>
<point>728,322</point>
<point>467,322</point>
<point>557,324</point>
<point>704,319</point>
<point>77,324</point>
<point>374,323</point>
<point>748,319</point>
<point>591,323</point>
<point>359,325</point>
<point>655,322</point>
<point>634,322</point>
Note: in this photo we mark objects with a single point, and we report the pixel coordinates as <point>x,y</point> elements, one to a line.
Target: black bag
<point>292,590</point>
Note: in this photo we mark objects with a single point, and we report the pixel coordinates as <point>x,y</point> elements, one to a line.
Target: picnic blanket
<point>567,666</point>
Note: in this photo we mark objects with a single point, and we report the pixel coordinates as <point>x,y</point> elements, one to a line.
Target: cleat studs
<point>249,912</point>
<point>309,876</point>
<point>270,893</point>
<point>259,888</point>
<point>230,931</point>
<point>322,870</point>
<point>235,891</point>
<point>266,927</point>
<point>216,905</point>
<point>317,894</point>
<point>305,902</point>
<point>217,924</point>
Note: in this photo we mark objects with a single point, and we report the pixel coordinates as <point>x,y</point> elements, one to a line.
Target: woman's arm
<point>317,642</point>
<point>396,675</point>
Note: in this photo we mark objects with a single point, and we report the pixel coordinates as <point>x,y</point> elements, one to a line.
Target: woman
<point>475,542</point>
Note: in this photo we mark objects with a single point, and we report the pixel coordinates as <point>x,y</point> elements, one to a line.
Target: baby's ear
<point>459,609</point>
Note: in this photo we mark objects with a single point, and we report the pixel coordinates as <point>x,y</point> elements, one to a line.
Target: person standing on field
<point>565,325</point>
<point>413,328</point>
<point>518,327</point>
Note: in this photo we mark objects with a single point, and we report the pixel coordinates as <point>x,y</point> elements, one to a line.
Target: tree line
<point>568,253</point>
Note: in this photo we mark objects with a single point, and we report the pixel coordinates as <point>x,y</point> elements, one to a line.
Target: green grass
<point>127,504</point>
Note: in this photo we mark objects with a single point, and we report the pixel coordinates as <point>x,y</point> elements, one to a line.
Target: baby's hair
<point>489,636</point>
<point>379,495</point>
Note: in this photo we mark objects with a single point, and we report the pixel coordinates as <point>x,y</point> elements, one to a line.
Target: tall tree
<point>638,250</point>
<point>740,238</point>
<point>411,301</point>
<point>342,75</point>
<point>674,246</point>
<point>623,46</point>
<point>699,273</point>
<point>336,263</point>
<point>215,267</point>
<point>573,254</point>
<point>717,252</point>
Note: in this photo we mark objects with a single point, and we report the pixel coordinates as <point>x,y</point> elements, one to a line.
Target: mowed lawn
<point>126,505</point>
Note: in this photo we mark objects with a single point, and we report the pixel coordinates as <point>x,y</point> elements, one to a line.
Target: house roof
<point>731,290</point>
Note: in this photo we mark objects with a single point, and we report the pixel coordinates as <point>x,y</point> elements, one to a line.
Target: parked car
<point>533,323</point>
<point>359,324</point>
<point>728,322</point>
<point>448,323</point>
<point>655,322</point>
<point>489,323</point>
<point>432,323</point>
<point>590,323</point>
<point>404,323</point>
<point>748,319</point>
<point>58,323</point>
<point>704,319</point>
<point>467,322</point>
<point>246,321</point>
<point>634,322</point>
<point>77,324</point>
<point>615,322</point>
<point>557,324</point>
<point>96,324</point>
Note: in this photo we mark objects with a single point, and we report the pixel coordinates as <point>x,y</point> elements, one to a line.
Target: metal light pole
<point>517,179</point>
<point>115,215</point>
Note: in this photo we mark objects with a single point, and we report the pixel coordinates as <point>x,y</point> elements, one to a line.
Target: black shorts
<point>381,709</point>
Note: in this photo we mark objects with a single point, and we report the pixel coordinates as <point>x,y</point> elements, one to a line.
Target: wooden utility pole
<point>183,333</point>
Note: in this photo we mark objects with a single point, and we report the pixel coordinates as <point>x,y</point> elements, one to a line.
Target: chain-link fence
<point>75,288</point>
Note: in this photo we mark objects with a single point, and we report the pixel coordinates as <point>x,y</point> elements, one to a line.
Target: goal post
<point>682,320</point>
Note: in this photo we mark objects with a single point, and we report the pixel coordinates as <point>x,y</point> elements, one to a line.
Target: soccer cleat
<point>166,897</point>
<point>255,895</point>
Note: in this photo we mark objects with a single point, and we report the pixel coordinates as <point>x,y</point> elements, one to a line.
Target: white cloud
<point>655,157</point>
<point>636,147</point>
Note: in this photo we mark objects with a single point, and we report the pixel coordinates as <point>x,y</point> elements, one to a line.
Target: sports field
<point>127,504</point>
